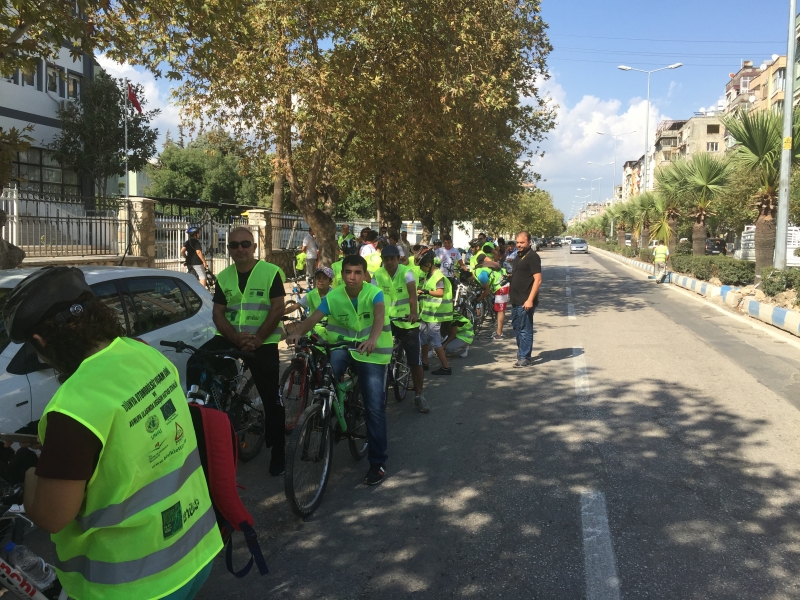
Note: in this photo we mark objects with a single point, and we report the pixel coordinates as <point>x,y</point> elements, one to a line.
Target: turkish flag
<point>133,99</point>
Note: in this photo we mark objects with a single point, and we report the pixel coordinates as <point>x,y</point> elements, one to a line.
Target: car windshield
<point>4,341</point>
<point>578,241</point>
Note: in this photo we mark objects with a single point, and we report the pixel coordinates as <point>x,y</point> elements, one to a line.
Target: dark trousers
<point>266,373</point>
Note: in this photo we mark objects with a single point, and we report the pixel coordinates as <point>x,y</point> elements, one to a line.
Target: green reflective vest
<point>337,274</point>
<point>345,324</point>
<point>473,260</point>
<point>146,526</point>
<point>395,295</point>
<point>247,311</point>
<point>342,238</point>
<point>660,253</point>
<point>300,262</point>
<point>314,300</point>
<point>437,310</point>
<point>374,262</point>
<point>466,333</point>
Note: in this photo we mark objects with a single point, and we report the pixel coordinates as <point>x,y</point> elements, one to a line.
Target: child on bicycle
<point>357,314</point>
<point>311,301</point>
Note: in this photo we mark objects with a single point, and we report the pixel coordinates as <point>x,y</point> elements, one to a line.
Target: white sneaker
<point>465,352</point>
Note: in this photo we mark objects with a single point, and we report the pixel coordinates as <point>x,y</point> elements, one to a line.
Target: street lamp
<point>591,185</point>
<point>614,182</point>
<point>647,118</point>
<point>613,162</point>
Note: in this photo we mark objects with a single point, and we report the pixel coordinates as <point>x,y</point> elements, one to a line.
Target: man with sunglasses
<point>248,306</point>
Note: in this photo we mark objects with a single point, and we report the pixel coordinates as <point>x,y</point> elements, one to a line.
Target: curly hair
<point>71,340</point>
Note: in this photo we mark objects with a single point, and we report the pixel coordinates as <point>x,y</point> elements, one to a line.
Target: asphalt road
<point>651,451</point>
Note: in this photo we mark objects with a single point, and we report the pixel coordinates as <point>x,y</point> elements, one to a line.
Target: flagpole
<point>127,93</point>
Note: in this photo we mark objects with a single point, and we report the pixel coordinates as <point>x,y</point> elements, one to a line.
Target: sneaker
<point>522,362</point>
<point>465,352</point>
<point>375,474</point>
<point>277,464</point>
<point>425,367</point>
<point>496,337</point>
<point>442,371</point>
<point>431,354</point>
<point>422,404</point>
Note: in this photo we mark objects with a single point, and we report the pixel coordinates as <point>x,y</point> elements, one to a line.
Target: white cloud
<point>718,105</point>
<point>157,93</point>
<point>575,141</point>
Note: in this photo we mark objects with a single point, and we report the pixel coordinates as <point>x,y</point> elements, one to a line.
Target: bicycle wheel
<point>308,461</point>
<point>294,392</point>
<point>251,424</point>
<point>211,281</point>
<point>466,312</point>
<point>400,375</point>
<point>357,424</point>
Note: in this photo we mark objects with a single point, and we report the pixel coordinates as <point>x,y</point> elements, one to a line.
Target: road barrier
<point>782,318</point>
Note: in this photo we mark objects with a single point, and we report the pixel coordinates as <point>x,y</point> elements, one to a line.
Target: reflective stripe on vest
<point>395,295</point>
<point>345,324</point>
<point>437,310</point>
<point>248,310</point>
<point>146,521</point>
<point>661,254</point>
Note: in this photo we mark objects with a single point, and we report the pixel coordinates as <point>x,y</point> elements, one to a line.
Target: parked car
<point>715,246</point>
<point>558,242</point>
<point>578,245</point>
<point>568,239</point>
<point>151,304</point>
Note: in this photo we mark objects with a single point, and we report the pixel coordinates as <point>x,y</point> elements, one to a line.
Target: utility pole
<point>782,226</point>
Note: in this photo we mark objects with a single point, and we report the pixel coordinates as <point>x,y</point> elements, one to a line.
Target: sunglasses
<point>245,244</point>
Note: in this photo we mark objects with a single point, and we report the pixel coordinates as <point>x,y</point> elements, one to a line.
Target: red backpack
<point>219,451</point>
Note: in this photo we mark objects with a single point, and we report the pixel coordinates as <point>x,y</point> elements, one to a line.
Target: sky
<point>590,39</point>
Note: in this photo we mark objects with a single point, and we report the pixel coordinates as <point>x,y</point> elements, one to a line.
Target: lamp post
<point>614,182</point>
<point>591,186</point>
<point>647,118</point>
<point>615,175</point>
<point>580,206</point>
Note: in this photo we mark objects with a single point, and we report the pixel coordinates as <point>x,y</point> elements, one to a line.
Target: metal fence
<point>49,225</point>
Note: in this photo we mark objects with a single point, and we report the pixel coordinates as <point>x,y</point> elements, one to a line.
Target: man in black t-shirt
<point>526,278</point>
<point>192,251</point>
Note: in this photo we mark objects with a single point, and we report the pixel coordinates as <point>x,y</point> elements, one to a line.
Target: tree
<point>668,204</point>
<point>646,213</point>
<point>209,168</point>
<point>12,141</point>
<point>341,90</point>
<point>705,177</point>
<point>92,137</point>
<point>759,144</point>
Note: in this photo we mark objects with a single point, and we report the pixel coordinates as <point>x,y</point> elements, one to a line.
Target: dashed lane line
<point>600,566</point>
<point>571,312</point>
<point>569,291</point>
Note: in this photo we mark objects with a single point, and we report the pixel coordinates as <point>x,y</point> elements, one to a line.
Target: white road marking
<point>581,374</point>
<point>571,312</point>
<point>602,582</point>
<point>569,291</point>
<point>567,277</point>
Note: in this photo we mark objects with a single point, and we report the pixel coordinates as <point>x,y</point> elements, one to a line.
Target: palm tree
<point>668,203</point>
<point>644,208</point>
<point>705,177</point>
<point>614,213</point>
<point>758,137</point>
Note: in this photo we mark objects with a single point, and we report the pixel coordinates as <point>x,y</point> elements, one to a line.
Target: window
<point>744,84</point>
<point>73,87</point>
<point>157,302</point>
<point>29,76</point>
<point>193,301</point>
<point>36,170</point>
<point>108,294</point>
<point>712,129</point>
<point>52,79</point>
<point>712,146</point>
<point>777,108</point>
<point>778,80</point>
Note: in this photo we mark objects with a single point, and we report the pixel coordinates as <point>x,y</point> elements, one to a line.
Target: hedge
<point>773,281</point>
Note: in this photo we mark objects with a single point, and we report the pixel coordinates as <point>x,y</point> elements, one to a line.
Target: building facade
<point>632,172</point>
<point>737,90</point>
<point>768,88</point>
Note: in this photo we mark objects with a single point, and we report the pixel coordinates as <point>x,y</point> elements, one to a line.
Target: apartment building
<point>34,97</point>
<point>704,132</point>
<point>767,89</point>
<point>632,172</point>
<point>668,136</point>
<point>737,90</point>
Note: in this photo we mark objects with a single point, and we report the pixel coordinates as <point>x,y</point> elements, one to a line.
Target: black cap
<point>390,250</point>
<point>29,302</point>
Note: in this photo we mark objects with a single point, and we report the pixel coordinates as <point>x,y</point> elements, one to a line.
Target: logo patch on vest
<point>151,424</point>
<point>171,520</point>
<point>168,410</point>
<point>178,432</point>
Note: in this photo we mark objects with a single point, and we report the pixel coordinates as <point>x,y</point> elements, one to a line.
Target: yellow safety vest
<point>345,324</point>
<point>146,526</point>
<point>395,295</point>
<point>374,262</point>
<point>437,310</point>
<point>314,300</point>
<point>247,311</point>
<point>660,254</point>
<point>337,274</point>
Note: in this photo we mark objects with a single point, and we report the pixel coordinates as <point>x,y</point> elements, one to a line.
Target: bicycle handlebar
<point>232,352</point>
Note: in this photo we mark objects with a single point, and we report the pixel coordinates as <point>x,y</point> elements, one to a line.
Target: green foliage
<point>91,141</point>
<point>646,255</point>
<point>683,248</point>
<point>729,271</point>
<point>12,141</point>
<point>703,267</point>
<point>682,263</point>
<point>531,211</point>
<point>774,281</point>
<point>207,169</point>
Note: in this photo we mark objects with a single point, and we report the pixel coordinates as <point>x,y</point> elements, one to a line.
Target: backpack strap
<point>256,556</point>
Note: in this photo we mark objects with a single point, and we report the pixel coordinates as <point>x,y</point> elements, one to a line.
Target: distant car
<point>715,246</point>
<point>151,304</point>
<point>578,245</point>
<point>558,242</point>
<point>568,238</point>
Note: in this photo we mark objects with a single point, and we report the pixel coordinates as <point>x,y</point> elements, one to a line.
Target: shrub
<point>773,281</point>
<point>703,267</point>
<point>682,264</point>
<point>735,272</point>
<point>683,248</point>
<point>646,255</point>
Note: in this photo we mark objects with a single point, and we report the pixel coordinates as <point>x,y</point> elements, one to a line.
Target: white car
<point>152,305</point>
<point>578,245</point>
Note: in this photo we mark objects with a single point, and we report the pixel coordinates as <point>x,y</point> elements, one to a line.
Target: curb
<point>788,320</point>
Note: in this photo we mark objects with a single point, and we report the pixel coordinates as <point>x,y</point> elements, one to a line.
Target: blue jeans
<point>372,381</point>
<point>522,322</point>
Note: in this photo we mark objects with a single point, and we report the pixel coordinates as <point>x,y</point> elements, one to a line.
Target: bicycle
<point>228,386</point>
<point>399,371</point>
<point>336,412</point>
<point>303,373</point>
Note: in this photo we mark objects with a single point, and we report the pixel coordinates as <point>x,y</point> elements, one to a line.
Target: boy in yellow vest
<point>356,313</point>
<point>436,295</point>
<point>322,285</point>
<point>248,307</point>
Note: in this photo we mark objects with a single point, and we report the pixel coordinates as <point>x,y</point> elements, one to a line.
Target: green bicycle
<point>336,412</point>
